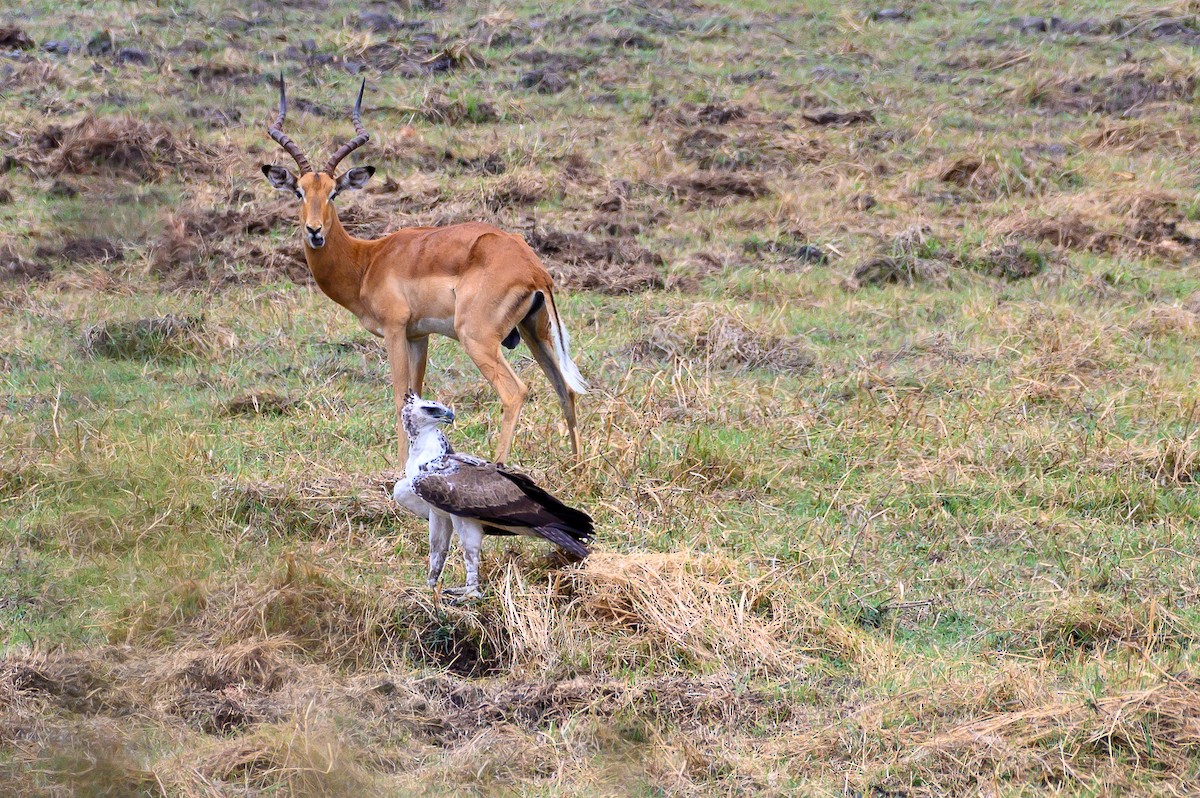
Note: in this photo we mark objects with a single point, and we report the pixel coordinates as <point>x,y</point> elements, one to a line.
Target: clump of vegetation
<point>168,337</point>
<point>708,337</point>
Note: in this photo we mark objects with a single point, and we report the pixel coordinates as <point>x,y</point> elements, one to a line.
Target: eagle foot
<point>458,595</point>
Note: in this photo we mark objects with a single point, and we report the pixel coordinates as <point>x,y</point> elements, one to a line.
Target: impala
<point>472,282</point>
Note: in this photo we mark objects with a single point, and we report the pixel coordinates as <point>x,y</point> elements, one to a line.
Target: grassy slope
<point>948,555</point>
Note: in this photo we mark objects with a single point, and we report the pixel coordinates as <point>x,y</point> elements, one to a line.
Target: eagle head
<point>421,414</point>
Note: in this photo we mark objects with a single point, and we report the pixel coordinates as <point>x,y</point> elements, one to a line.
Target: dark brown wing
<point>568,516</point>
<point>471,488</point>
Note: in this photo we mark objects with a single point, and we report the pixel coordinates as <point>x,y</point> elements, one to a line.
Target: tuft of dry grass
<point>119,145</point>
<point>522,187</point>
<point>1091,624</point>
<point>163,338</point>
<point>717,339</point>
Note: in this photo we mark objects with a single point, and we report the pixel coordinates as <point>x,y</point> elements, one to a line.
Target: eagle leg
<point>470,536</point>
<point>440,528</point>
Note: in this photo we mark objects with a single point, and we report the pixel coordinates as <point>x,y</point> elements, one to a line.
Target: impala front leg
<point>396,342</point>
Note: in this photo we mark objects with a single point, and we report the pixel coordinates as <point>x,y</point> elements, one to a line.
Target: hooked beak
<point>445,416</point>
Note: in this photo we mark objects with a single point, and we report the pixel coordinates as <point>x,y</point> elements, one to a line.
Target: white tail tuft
<point>562,349</point>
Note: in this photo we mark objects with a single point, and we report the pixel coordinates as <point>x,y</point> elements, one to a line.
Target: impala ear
<point>280,178</point>
<point>355,178</point>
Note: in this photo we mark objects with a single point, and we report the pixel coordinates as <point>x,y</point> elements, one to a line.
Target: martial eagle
<point>474,497</point>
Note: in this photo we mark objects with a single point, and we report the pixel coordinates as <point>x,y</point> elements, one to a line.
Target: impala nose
<point>315,237</point>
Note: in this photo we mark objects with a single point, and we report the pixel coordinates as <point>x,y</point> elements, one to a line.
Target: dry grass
<point>163,338</point>
<point>120,146</point>
<point>711,338</point>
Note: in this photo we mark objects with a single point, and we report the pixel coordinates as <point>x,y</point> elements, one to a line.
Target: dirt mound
<point>1141,222</point>
<point>1127,90</point>
<point>839,118</point>
<point>761,150</point>
<point>717,187</point>
<point>785,248</point>
<point>119,146</point>
<point>215,247</point>
<point>79,684</point>
<point>1010,262</point>
<point>914,256</point>
<point>90,249</point>
<point>13,38</point>
<point>524,187</point>
<point>456,111</point>
<point>14,268</point>
<point>614,265</point>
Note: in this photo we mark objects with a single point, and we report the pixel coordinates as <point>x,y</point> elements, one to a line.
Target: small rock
<point>132,55</point>
<point>1031,24</point>
<point>62,188</point>
<point>380,23</point>
<point>891,15</point>
<point>60,46</point>
<point>544,81</point>
<point>101,44</point>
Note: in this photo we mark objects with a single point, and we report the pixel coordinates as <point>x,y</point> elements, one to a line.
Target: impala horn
<point>281,137</point>
<point>353,144</point>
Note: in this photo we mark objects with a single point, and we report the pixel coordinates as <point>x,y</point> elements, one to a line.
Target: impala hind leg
<point>485,353</point>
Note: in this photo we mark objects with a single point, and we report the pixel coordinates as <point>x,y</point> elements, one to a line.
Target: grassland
<point>892,317</point>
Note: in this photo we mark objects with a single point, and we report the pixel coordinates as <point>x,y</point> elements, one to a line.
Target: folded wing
<point>502,498</point>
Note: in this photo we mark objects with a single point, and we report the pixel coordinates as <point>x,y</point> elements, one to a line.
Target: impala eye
<point>299,194</point>
<point>332,194</point>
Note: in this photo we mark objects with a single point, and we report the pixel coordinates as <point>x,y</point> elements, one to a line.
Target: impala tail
<point>562,349</point>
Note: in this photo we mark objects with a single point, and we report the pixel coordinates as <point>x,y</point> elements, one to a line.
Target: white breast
<point>403,495</point>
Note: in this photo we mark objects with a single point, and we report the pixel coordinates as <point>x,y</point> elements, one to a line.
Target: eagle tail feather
<point>567,539</point>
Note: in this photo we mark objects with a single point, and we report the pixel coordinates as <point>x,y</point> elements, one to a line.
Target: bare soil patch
<point>90,249</point>
<point>612,265</point>
<point>1128,90</point>
<point>14,268</point>
<point>717,187</point>
<point>840,118</point>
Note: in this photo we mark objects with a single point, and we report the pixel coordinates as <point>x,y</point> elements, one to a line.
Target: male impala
<point>472,282</point>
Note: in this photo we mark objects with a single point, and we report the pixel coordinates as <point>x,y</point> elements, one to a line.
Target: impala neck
<point>339,265</point>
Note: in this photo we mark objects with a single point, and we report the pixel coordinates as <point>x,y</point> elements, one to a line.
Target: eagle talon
<point>459,595</point>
